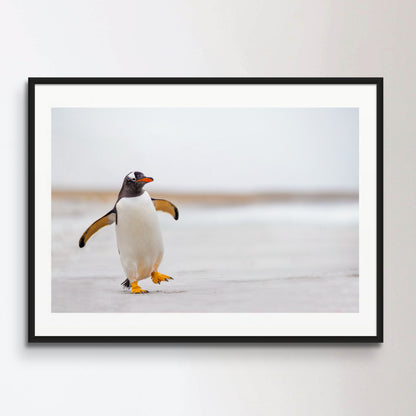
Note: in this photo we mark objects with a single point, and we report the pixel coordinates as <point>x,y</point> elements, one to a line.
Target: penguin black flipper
<point>107,219</point>
<point>166,206</point>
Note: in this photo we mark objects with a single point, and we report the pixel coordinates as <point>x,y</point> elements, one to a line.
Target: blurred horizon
<point>213,198</point>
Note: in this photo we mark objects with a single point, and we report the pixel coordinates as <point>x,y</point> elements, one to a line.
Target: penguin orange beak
<point>145,180</point>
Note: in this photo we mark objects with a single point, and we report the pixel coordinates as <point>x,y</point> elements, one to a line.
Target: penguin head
<point>133,183</point>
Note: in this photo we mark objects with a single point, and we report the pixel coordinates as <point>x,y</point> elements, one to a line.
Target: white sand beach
<point>256,257</point>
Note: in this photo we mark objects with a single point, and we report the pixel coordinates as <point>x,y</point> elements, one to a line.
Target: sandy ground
<point>274,257</point>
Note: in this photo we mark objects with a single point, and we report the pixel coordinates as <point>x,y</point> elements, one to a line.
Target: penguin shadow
<point>153,292</point>
<point>125,289</point>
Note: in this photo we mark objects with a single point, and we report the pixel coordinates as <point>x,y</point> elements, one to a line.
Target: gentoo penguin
<point>139,237</point>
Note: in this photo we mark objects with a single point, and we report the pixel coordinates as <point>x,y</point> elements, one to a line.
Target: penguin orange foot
<point>135,288</point>
<point>159,277</point>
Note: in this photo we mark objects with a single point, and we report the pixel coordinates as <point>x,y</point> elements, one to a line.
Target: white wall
<point>211,38</point>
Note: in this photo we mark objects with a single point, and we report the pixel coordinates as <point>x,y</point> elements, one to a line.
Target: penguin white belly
<point>139,237</point>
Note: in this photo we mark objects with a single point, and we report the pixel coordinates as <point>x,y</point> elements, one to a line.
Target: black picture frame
<point>33,338</point>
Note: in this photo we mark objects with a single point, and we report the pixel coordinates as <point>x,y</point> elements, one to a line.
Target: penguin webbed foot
<point>135,288</point>
<point>126,283</point>
<point>159,277</point>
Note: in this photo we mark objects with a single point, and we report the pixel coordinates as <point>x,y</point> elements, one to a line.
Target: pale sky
<point>207,150</point>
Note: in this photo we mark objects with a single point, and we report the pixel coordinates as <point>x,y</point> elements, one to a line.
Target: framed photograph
<point>205,210</point>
